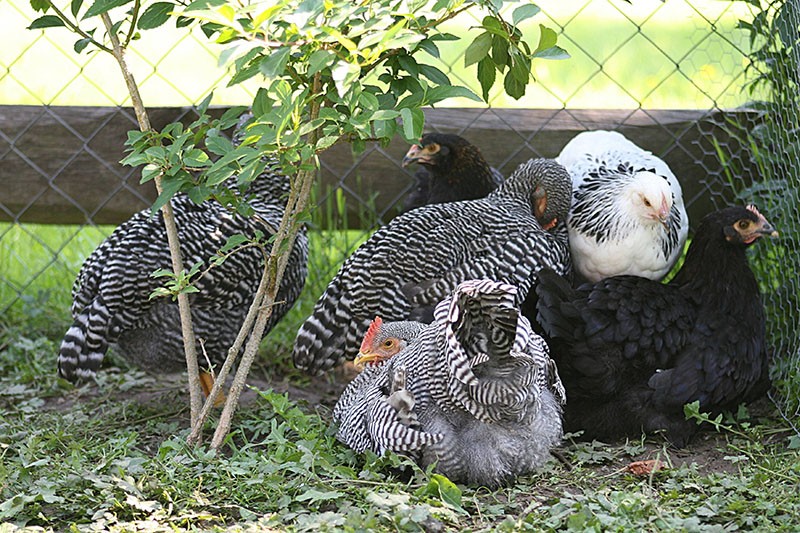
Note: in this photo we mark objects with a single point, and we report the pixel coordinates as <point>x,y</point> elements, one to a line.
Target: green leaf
<point>75,6</point>
<point>385,114</point>
<point>437,94</point>
<point>155,15</point>
<point>326,142</point>
<point>442,488</point>
<point>262,103</point>
<point>320,60</point>
<point>478,49</point>
<point>430,47</point>
<point>232,242</point>
<point>80,45</point>
<point>274,65</point>
<point>524,12</point>
<point>513,86</point>
<point>554,52</point>
<point>413,123</point>
<point>103,6</point>
<point>487,74</point>
<point>493,25</point>
<point>385,129</point>
<point>169,188</point>
<point>40,5</point>
<point>201,5</point>
<point>409,64</point>
<point>500,52</point>
<point>46,21</point>
<point>547,38</point>
<point>434,74</point>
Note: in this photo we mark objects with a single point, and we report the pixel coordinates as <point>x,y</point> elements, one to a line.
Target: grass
<point>111,456</point>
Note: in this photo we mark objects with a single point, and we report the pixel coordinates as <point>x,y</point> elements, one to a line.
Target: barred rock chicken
<point>452,170</point>
<point>111,294</point>
<point>627,214</point>
<point>412,263</point>
<point>632,351</point>
<point>474,392</point>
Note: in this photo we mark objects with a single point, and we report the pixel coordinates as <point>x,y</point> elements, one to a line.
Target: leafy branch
<point>330,72</point>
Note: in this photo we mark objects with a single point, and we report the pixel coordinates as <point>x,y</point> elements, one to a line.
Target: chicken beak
<point>365,358</point>
<point>767,230</point>
<point>415,153</point>
<point>420,154</point>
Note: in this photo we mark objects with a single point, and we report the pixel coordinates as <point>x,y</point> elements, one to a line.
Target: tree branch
<point>76,29</point>
<point>189,344</point>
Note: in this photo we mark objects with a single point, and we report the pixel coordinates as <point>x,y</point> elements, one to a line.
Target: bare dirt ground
<point>319,394</point>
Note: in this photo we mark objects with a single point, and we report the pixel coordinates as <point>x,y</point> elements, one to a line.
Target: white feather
<point>627,214</point>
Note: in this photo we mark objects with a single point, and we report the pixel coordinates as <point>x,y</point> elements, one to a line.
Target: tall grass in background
<point>38,264</point>
<point>706,76</point>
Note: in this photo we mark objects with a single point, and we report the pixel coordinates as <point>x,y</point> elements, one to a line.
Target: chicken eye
<point>388,343</point>
<point>647,203</point>
<point>744,224</point>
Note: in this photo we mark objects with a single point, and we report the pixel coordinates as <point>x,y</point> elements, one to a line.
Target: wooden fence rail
<point>60,164</point>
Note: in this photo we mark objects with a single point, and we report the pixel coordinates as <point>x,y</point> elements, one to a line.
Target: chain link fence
<point>629,63</point>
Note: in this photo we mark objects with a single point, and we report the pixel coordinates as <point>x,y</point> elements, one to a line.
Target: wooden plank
<point>60,164</point>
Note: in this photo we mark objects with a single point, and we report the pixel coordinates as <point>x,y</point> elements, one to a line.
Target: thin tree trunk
<point>299,198</point>
<point>189,344</point>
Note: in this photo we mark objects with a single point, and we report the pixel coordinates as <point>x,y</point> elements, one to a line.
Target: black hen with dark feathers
<point>451,170</point>
<point>631,351</point>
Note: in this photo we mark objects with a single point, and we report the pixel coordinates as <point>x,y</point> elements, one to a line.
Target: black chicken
<point>631,351</point>
<point>451,170</point>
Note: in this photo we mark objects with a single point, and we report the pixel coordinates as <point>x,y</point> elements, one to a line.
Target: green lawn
<point>111,456</point>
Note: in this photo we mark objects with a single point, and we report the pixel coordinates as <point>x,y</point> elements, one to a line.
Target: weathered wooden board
<point>60,164</point>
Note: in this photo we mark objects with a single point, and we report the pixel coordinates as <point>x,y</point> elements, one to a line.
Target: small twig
<point>137,4</point>
<point>76,29</point>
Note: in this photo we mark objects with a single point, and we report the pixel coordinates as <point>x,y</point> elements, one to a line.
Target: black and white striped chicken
<point>111,296</point>
<point>419,258</point>
<point>452,169</point>
<point>475,392</point>
<point>632,351</point>
<point>627,214</point>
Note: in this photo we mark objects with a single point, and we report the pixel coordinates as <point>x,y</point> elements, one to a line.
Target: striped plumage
<point>111,294</point>
<point>474,392</point>
<point>627,214</point>
<point>419,258</point>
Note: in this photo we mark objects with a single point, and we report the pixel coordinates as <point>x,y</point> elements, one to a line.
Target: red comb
<point>752,209</point>
<point>374,327</point>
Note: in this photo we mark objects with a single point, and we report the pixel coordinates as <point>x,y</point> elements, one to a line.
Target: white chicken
<point>627,214</point>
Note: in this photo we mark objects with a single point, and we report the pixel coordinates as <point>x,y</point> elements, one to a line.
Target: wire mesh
<point>644,56</point>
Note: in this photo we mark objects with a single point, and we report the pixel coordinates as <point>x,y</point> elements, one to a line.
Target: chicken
<point>475,392</point>
<point>111,296</point>
<point>452,170</point>
<point>627,214</point>
<point>420,257</point>
<point>633,351</point>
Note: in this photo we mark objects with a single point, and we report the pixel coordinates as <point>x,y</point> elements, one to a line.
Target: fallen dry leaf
<point>645,468</point>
